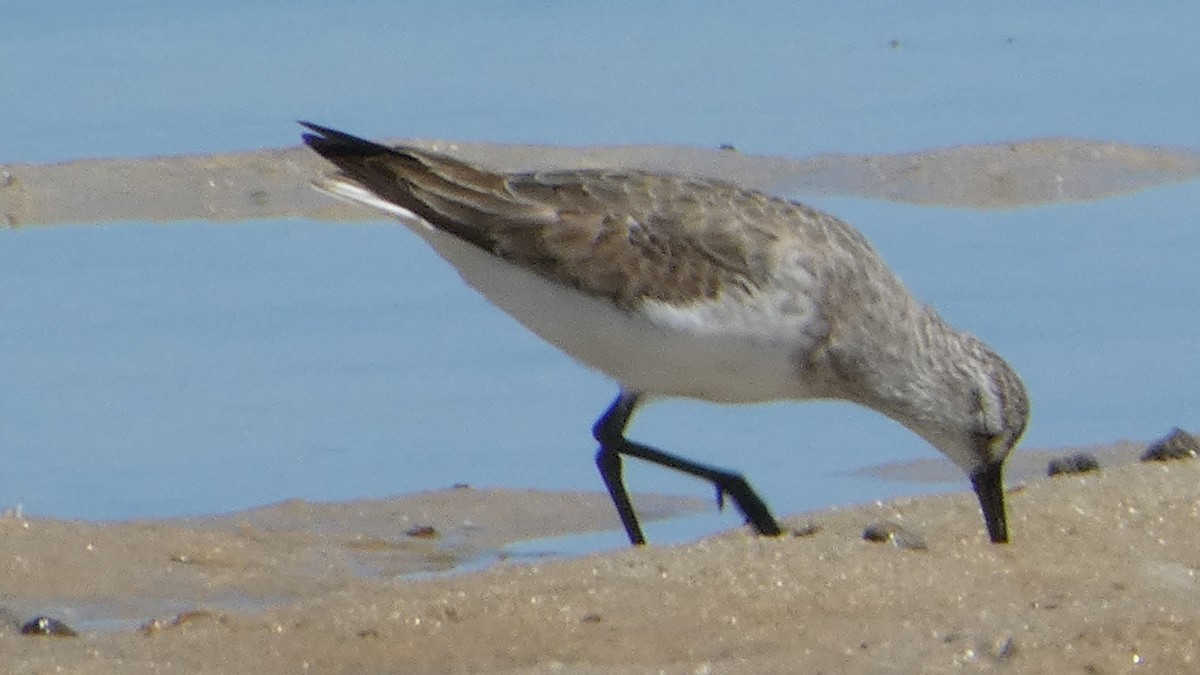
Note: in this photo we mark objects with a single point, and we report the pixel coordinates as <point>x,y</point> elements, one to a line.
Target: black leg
<point>608,460</point>
<point>609,463</point>
<point>609,430</point>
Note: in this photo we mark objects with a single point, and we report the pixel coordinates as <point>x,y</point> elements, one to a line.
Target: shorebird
<point>695,288</point>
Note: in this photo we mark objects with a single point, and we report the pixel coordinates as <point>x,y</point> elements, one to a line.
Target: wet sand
<point>1101,577</point>
<point>273,183</point>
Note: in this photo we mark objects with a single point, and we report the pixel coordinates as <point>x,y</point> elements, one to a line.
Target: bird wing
<point>629,237</point>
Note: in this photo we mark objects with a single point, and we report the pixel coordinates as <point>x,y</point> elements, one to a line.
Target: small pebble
<point>1080,462</point>
<point>44,625</point>
<point>894,533</point>
<point>1003,647</point>
<point>1178,444</point>
<point>422,532</point>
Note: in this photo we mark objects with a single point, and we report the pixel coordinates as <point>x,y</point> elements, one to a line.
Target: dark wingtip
<point>325,131</point>
<point>322,133</point>
<point>318,139</point>
<point>331,142</point>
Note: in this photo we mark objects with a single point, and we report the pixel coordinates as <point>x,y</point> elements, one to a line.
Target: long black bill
<point>989,487</point>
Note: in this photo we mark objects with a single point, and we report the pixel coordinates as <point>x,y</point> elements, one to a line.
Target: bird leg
<point>609,430</point>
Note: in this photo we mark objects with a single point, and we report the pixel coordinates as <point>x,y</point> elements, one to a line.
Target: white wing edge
<point>350,191</point>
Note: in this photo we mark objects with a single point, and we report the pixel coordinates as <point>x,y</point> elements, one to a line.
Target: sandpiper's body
<point>685,287</point>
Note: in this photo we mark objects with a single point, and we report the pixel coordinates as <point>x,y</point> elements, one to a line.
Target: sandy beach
<point>253,429</point>
<point>1101,577</point>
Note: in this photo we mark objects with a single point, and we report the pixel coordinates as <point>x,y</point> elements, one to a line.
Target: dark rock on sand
<point>1178,444</point>
<point>45,625</point>
<point>1080,462</point>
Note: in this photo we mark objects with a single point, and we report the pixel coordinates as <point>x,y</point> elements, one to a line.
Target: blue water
<point>150,370</point>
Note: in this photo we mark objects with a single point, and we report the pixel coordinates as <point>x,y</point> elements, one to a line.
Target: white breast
<point>723,351</point>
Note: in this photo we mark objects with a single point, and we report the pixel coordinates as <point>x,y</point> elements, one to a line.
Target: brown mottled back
<point>623,236</point>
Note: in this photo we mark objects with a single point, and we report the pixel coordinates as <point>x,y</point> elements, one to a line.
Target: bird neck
<point>921,372</point>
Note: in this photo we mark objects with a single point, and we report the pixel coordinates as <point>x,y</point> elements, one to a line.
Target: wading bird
<point>701,289</point>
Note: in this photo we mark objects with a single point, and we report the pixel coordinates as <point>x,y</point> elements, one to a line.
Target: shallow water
<point>151,370</point>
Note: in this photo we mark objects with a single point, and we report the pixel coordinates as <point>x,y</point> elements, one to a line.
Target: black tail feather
<point>331,143</point>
